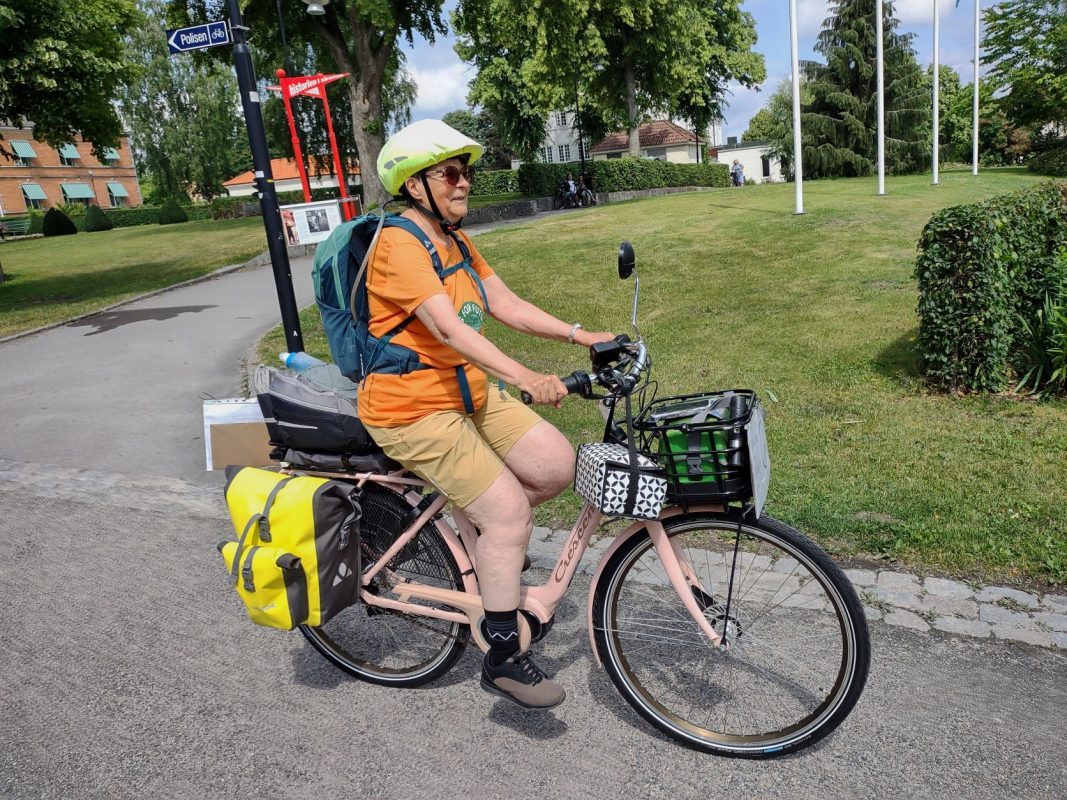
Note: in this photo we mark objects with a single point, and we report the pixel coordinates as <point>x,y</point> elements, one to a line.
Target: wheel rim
<point>792,655</point>
<point>384,644</point>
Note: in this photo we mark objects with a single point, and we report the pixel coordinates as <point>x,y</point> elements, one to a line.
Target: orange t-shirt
<point>400,278</point>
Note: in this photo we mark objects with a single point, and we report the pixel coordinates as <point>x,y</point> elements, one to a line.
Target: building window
<point>657,152</point>
<point>111,157</point>
<point>116,194</point>
<point>564,153</point>
<point>33,196</point>
<point>614,155</point>
<point>561,117</point>
<point>68,155</point>
<point>546,154</point>
<point>766,163</point>
<point>582,156</point>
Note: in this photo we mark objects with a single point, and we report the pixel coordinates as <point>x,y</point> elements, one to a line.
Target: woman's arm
<point>511,310</point>
<point>440,318</point>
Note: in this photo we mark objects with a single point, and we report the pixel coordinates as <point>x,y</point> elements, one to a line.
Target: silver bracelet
<point>577,326</point>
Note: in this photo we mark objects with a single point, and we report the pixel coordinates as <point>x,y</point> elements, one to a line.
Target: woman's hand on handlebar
<point>542,389</point>
<point>589,338</point>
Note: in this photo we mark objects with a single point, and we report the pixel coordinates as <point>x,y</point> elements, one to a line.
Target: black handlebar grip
<point>574,384</point>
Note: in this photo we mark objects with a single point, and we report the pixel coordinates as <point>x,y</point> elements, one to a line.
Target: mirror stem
<point>633,320</point>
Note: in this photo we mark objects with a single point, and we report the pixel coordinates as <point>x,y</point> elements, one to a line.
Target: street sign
<point>198,37</point>
<point>306,85</point>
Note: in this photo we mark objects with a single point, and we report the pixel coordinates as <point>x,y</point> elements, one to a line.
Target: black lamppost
<point>578,122</point>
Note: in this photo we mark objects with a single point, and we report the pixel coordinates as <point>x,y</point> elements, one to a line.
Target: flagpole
<point>937,88</point>
<point>974,155</point>
<point>798,165</point>
<point>881,99</point>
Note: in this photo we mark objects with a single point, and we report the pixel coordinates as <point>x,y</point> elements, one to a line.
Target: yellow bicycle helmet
<point>420,145</point>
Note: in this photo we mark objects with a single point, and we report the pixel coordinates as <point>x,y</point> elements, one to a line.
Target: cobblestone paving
<point>895,598</point>
<point>906,600</point>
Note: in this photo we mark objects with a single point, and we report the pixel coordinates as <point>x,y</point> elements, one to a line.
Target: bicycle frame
<point>540,601</point>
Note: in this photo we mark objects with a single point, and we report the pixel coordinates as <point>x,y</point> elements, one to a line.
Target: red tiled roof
<point>285,169</point>
<point>657,133</point>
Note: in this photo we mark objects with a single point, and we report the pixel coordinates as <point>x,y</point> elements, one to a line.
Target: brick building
<point>42,177</point>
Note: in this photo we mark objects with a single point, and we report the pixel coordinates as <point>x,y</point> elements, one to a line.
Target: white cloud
<point>440,90</point>
<point>921,12</point>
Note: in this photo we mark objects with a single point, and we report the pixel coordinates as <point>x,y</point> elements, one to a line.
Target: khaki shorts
<point>459,454</point>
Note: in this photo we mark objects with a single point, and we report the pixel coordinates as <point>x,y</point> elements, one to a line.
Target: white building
<point>755,160</point>
<point>287,179</point>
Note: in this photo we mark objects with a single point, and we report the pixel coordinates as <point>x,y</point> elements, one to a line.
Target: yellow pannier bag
<point>285,525</point>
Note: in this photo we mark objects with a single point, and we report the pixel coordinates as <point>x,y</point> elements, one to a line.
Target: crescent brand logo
<point>572,546</point>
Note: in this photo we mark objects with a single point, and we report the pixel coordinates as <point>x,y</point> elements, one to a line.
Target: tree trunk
<point>366,112</point>
<point>633,118</point>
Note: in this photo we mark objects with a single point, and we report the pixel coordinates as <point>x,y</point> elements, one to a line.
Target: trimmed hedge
<point>983,271</point>
<point>96,220</point>
<point>1051,162</point>
<point>495,181</point>
<point>56,223</point>
<point>172,213</point>
<point>623,175</point>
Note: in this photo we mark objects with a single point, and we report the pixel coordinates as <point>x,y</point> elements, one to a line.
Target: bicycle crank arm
<point>469,604</point>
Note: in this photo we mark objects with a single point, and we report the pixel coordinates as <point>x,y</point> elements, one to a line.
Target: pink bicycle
<point>724,628</point>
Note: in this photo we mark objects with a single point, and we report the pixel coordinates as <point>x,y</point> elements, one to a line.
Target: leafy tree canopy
<point>760,128</point>
<point>1026,44</point>
<point>483,128</point>
<point>620,61</point>
<point>61,63</point>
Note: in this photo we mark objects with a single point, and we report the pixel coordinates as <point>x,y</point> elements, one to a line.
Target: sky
<point>442,78</point>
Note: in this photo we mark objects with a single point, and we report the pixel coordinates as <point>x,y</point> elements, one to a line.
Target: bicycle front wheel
<point>798,653</point>
<point>388,647</point>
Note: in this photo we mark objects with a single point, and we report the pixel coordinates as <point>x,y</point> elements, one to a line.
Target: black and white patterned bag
<point>606,479</point>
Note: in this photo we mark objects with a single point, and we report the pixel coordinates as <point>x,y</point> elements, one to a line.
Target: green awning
<point>23,149</point>
<point>69,151</point>
<point>117,189</point>
<point>33,191</point>
<point>78,191</point>
<point>111,154</point>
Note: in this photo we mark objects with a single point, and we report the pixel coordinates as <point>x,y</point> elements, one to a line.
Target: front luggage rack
<point>700,442</point>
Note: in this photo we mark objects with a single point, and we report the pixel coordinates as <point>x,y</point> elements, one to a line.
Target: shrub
<point>622,175</point>
<point>198,211</point>
<point>56,223</point>
<point>130,217</point>
<point>495,181</point>
<point>983,271</point>
<point>1051,162</point>
<point>96,220</point>
<point>36,222</point>
<point>172,213</point>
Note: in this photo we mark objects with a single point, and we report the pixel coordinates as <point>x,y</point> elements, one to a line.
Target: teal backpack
<point>341,295</point>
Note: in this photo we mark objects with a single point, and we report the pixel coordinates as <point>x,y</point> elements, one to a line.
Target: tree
<point>1026,46</point>
<point>534,56</point>
<point>481,127</point>
<point>181,113</point>
<point>839,125</point>
<point>775,125</point>
<point>48,48</point>
<point>358,37</point>
<point>761,127</point>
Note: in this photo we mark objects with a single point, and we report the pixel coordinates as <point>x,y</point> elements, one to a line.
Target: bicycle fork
<point>683,579</point>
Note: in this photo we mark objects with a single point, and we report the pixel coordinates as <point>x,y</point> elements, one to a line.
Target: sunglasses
<point>452,174</point>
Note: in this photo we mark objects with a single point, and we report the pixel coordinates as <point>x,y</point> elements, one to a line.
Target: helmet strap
<point>448,228</point>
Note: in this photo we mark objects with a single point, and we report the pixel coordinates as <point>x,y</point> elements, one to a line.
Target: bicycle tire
<point>629,581</point>
<point>386,647</point>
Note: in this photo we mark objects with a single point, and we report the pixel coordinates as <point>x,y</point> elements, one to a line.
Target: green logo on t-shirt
<point>471,314</point>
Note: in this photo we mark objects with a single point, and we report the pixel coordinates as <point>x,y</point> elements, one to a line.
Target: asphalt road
<point>127,668</point>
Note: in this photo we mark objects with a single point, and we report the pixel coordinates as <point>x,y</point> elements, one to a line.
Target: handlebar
<point>581,383</point>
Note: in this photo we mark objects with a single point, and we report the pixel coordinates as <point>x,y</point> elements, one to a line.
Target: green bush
<point>96,220</point>
<point>56,223</point>
<point>172,213</point>
<point>130,217</point>
<point>36,222</point>
<point>495,181</point>
<point>622,175</point>
<point>983,271</point>
<point>1051,162</point>
<point>198,212</point>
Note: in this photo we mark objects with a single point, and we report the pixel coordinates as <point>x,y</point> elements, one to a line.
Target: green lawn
<point>820,311</point>
<point>493,199</point>
<point>61,277</point>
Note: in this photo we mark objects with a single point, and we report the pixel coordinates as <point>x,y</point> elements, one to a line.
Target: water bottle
<point>298,362</point>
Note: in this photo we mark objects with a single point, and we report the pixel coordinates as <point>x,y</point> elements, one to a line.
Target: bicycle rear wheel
<point>799,649</point>
<point>388,647</point>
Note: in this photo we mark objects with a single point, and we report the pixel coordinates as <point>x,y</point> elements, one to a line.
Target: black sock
<point>501,630</point>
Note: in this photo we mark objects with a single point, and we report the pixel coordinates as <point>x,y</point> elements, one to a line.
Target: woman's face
<point>451,200</point>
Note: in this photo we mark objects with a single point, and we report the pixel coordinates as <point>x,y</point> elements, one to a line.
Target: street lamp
<point>316,8</point>
<point>578,122</point>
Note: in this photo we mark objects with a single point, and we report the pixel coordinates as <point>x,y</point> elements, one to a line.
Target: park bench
<point>15,227</point>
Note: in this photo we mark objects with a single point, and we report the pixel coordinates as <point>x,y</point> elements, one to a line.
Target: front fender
<point>636,529</point>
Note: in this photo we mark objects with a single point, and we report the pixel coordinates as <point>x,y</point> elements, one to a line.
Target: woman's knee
<point>503,506</point>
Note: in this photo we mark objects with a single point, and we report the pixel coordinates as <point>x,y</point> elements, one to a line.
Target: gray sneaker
<point>520,680</point>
